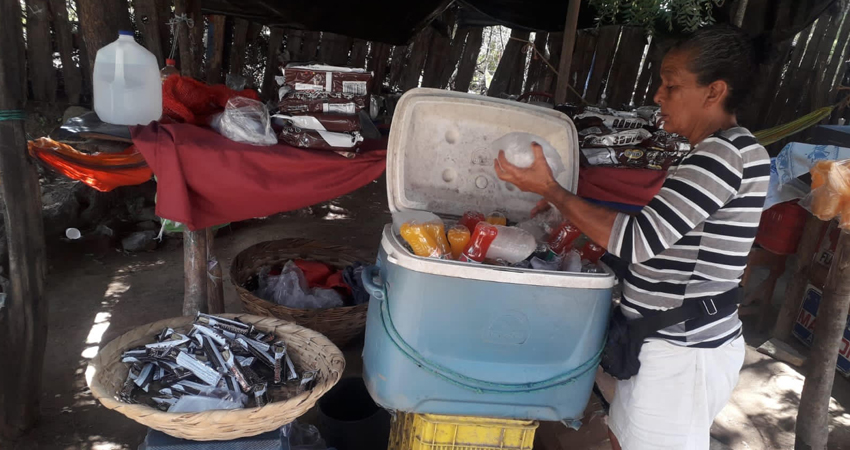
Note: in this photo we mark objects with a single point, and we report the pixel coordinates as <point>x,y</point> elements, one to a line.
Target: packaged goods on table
<point>217,364</point>
<point>314,102</point>
<point>327,78</point>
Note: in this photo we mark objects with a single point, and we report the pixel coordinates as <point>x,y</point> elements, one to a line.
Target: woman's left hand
<point>536,178</point>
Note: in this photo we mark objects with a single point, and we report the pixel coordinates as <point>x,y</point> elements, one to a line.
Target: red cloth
<point>205,179</point>
<point>629,186</point>
<point>321,275</point>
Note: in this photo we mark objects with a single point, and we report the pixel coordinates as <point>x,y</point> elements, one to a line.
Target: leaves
<point>687,15</point>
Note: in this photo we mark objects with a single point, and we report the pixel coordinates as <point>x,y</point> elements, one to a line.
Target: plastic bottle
<point>470,219</point>
<point>402,217</point>
<point>458,239</point>
<point>480,242</point>
<point>591,252</point>
<point>127,83</point>
<point>563,237</point>
<point>571,262</point>
<point>497,218</point>
<point>438,231</point>
<point>421,240</point>
<point>512,244</point>
<point>169,69</point>
<point>543,224</point>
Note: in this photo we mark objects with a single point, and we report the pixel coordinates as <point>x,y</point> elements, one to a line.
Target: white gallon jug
<point>127,84</point>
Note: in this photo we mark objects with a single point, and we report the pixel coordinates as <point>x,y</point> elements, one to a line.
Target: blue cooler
<point>445,337</point>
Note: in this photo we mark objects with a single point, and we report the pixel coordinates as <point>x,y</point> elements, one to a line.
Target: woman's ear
<point>717,92</point>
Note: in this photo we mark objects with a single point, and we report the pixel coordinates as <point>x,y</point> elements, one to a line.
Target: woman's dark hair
<point>725,52</point>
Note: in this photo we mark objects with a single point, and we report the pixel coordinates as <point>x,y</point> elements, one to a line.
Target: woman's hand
<point>537,178</point>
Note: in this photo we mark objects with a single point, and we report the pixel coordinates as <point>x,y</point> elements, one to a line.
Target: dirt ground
<point>95,296</point>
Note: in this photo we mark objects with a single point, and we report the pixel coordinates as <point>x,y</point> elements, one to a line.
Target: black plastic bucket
<point>351,420</point>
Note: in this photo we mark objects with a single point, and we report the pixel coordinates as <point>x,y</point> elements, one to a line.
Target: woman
<point>689,244</point>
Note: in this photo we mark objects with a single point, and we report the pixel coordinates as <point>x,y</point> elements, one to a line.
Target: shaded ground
<point>95,296</point>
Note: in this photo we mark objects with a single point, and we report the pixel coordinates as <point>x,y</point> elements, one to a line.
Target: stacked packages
<point>320,105</point>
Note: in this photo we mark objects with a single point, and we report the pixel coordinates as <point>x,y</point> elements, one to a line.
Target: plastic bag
<point>517,147</point>
<point>303,437</point>
<point>290,289</point>
<point>830,196</point>
<point>199,403</point>
<point>245,120</point>
<point>543,224</point>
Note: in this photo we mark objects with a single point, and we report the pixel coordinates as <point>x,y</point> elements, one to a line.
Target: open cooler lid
<point>440,159</point>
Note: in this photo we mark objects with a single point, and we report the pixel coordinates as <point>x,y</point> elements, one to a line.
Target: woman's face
<point>680,96</point>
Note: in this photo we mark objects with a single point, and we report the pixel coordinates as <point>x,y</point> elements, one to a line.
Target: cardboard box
<point>804,328</point>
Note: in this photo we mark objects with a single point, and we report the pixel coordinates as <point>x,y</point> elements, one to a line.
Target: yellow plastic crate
<point>435,432</point>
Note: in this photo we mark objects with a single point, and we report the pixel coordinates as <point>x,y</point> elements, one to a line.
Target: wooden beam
<point>468,59</point>
<point>294,39</point>
<point>416,61</point>
<point>625,68</point>
<point>272,68</point>
<point>378,63</point>
<point>550,81</point>
<point>398,60</point>
<point>567,50</point>
<point>511,65</point>
<point>194,272</point>
<point>237,49</point>
<point>23,318</point>
<point>358,54</point>
<point>73,79</point>
<point>606,46</point>
<point>190,39</point>
<point>146,13</point>
<point>537,68</point>
<point>334,49</point>
<point>585,49</point>
<point>101,20</point>
<point>439,51</point>
<point>215,284</point>
<point>812,233</point>
<point>310,45</point>
<point>813,413</point>
<point>40,71</point>
<point>216,63</point>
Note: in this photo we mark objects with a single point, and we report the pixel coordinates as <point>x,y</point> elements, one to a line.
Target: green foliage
<point>683,15</point>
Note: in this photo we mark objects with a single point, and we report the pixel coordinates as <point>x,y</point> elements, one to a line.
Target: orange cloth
<point>101,171</point>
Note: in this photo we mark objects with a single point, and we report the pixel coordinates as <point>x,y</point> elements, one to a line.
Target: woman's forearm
<point>593,220</point>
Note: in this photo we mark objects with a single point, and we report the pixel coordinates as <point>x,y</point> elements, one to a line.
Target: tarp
<point>205,179</point>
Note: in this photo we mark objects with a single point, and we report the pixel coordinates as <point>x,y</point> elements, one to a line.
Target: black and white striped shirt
<point>692,240</point>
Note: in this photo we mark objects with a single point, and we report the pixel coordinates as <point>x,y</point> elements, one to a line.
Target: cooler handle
<point>374,289</point>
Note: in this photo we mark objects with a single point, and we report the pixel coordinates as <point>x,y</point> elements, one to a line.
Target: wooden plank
<point>398,58</point>
<point>146,13</point>
<point>334,49</point>
<point>582,61</point>
<point>805,75</point>
<point>651,66</point>
<point>71,76</point>
<point>813,413</point>
<point>511,65</point>
<point>556,41</point>
<point>359,51</point>
<point>237,48</point>
<point>626,65</point>
<point>379,56</point>
<point>537,67</point>
<point>439,51</point>
<point>40,71</point>
<point>190,39</point>
<point>564,67</point>
<point>468,59</point>
<point>23,319</point>
<point>100,21</point>
<point>194,272</point>
<point>783,87</point>
<point>605,47</point>
<point>812,233</point>
<point>272,64</point>
<point>840,51</point>
<point>310,45</point>
<point>294,39</point>
<point>416,60</point>
<point>216,62</point>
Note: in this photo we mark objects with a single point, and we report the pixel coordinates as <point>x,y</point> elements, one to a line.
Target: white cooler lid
<point>439,156</point>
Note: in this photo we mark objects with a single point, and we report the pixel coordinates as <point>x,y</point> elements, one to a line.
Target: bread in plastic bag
<point>517,148</point>
<point>245,120</point>
<point>830,196</point>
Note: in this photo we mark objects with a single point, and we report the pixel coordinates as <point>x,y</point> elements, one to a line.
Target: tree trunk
<point>214,64</point>
<point>799,279</point>
<point>378,61</point>
<point>41,73</point>
<point>148,22</point>
<point>813,414</point>
<point>194,272</point>
<point>509,73</point>
<point>468,60</point>
<point>272,64</point>
<point>190,39</point>
<point>101,20</point>
<point>237,50</point>
<point>23,319</point>
<point>565,63</point>
<point>73,79</point>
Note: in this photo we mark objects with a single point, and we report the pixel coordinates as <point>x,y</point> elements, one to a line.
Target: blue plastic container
<point>444,337</point>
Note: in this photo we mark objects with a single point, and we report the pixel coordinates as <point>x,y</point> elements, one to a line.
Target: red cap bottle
<point>479,243</point>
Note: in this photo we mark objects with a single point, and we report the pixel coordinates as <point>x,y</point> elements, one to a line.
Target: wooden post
<point>511,66</point>
<point>378,59</point>
<point>567,51</point>
<point>294,39</point>
<point>65,40</point>
<point>813,413</point>
<point>740,12</point>
<point>40,70</point>
<point>537,68</point>
<point>310,45</point>
<point>468,60</point>
<point>101,20</point>
<point>215,64</point>
<point>272,64</point>
<point>23,319</point>
<point>358,53</point>
<point>190,40</point>
<point>418,53</point>
<point>439,57</point>
<point>237,50</point>
<point>398,60</point>
<point>799,279</point>
<point>215,285</point>
<point>195,272</point>
<point>148,22</point>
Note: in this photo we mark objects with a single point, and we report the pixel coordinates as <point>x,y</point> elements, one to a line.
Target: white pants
<point>673,400</point>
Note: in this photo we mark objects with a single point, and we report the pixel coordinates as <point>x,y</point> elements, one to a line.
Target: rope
<point>174,22</point>
<point>550,66</point>
<point>12,114</point>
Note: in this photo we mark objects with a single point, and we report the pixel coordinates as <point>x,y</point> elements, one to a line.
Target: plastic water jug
<point>127,86</point>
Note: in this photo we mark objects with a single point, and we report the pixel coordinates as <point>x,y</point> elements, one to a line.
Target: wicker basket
<point>309,349</point>
<point>340,325</point>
